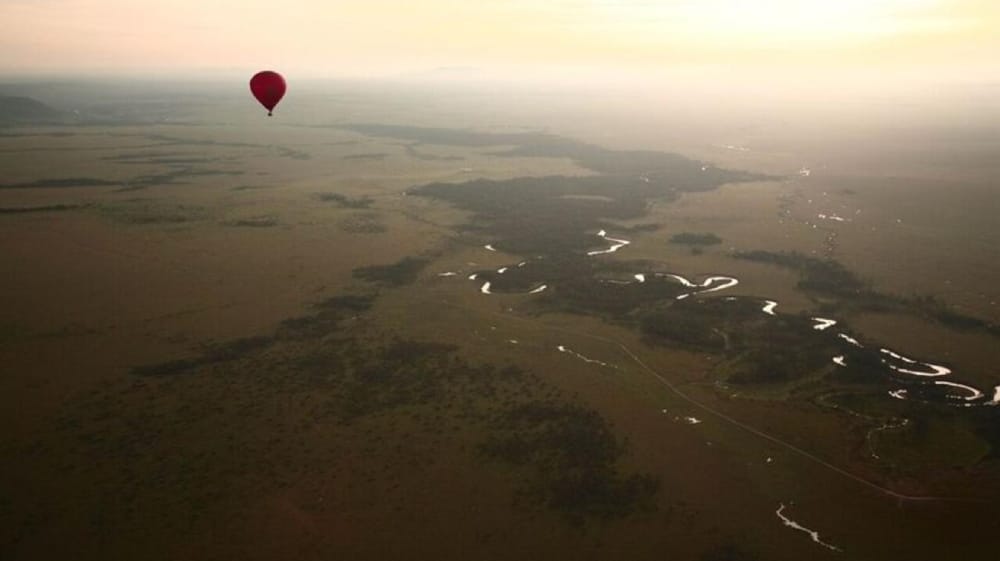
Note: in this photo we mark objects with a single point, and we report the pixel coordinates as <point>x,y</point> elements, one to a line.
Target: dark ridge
<point>16,110</point>
<point>144,156</point>
<point>773,362</point>
<point>171,178</point>
<point>373,156</point>
<point>554,220</point>
<point>713,324</point>
<point>761,349</point>
<point>350,303</point>
<point>323,321</point>
<point>681,326</point>
<point>167,140</point>
<point>819,275</point>
<point>641,228</point>
<point>254,222</point>
<point>144,212</point>
<point>446,137</point>
<point>691,238</point>
<point>602,160</point>
<point>294,154</point>
<point>326,317</point>
<point>412,152</point>
<point>933,308</point>
<point>831,278</point>
<point>362,224</point>
<point>62,183</point>
<point>163,160</point>
<point>281,151</point>
<point>594,293</point>
<point>531,216</point>
<point>262,392</point>
<point>402,272</point>
<point>55,134</point>
<point>344,201</point>
<point>572,451</point>
<point>47,208</point>
<point>541,145</point>
<point>554,214</point>
<point>226,352</point>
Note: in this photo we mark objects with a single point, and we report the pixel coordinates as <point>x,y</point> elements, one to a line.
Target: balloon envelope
<point>268,87</point>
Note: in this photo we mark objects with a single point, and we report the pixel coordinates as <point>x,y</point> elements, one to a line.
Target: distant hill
<point>16,110</point>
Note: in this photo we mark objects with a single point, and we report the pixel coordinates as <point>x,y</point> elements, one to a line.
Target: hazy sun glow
<point>344,37</point>
<point>777,20</point>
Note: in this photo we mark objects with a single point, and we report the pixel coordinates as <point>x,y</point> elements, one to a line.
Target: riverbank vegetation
<point>402,272</point>
<point>829,278</point>
<point>695,239</point>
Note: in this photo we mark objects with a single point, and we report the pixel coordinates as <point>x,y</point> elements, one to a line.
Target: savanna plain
<point>439,321</point>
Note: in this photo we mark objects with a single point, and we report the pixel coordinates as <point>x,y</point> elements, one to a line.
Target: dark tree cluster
<point>573,453</point>
<point>403,272</point>
<point>695,239</point>
<point>344,201</point>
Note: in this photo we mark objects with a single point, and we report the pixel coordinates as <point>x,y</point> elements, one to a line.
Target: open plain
<point>398,323</point>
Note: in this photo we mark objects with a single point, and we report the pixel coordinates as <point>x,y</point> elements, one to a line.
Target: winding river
<point>813,534</point>
<point>911,370</point>
<point>567,350</point>
<point>711,284</point>
<point>616,244</point>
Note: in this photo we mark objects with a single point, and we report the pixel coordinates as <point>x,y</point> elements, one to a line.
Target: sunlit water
<point>956,393</point>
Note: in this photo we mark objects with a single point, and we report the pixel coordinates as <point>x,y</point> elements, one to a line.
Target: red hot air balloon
<point>268,87</point>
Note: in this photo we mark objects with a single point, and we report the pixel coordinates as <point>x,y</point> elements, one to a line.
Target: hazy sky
<point>383,37</point>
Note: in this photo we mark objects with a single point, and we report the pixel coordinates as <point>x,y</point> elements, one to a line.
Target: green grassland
<point>232,341</point>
